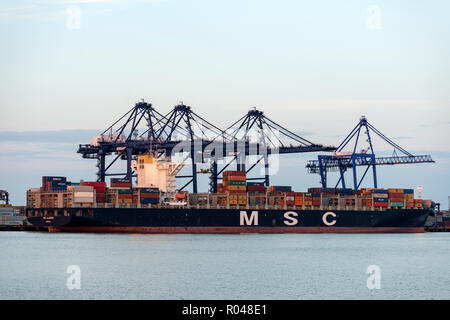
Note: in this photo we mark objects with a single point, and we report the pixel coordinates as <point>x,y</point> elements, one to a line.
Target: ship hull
<point>233,230</point>
<point>230,221</point>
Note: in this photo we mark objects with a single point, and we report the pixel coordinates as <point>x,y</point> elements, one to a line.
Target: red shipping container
<point>396,195</point>
<point>235,178</point>
<point>120,185</point>
<point>150,195</point>
<point>256,188</point>
<point>380,204</point>
<point>236,191</point>
<point>234,173</point>
<point>93,184</point>
<point>396,200</point>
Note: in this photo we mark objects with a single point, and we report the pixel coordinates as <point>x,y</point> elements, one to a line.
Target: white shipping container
<point>83,194</point>
<point>83,200</point>
<point>81,188</point>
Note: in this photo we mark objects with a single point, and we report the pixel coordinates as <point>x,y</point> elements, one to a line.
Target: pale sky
<point>313,66</point>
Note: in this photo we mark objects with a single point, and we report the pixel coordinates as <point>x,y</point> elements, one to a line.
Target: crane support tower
<point>183,129</point>
<point>341,161</point>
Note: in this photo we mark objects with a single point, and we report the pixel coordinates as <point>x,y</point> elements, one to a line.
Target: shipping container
<point>256,184</point>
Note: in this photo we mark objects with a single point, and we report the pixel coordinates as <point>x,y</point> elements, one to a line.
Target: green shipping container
<point>396,204</point>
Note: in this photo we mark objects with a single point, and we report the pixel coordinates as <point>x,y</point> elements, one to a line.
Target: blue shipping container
<point>258,184</point>
<point>47,178</point>
<point>149,190</point>
<point>283,188</point>
<point>149,200</point>
<point>119,180</point>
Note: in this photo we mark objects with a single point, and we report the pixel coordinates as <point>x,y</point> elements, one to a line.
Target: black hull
<point>231,220</point>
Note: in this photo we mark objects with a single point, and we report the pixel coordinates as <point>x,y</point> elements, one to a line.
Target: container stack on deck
<point>147,195</point>
<point>54,183</point>
<point>307,199</point>
<point>277,195</point>
<point>57,192</point>
<point>396,198</point>
<point>100,190</point>
<point>120,192</point>
<point>234,183</point>
<point>256,193</point>
<point>409,198</point>
<point>81,196</point>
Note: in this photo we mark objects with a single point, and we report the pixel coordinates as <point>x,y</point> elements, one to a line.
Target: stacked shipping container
<point>120,183</point>
<point>233,191</point>
<point>396,197</point>
<point>256,193</point>
<point>148,195</point>
<point>54,183</point>
<point>234,182</point>
<point>100,190</point>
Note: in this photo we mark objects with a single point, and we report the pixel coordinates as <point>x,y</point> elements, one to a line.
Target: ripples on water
<point>256,266</point>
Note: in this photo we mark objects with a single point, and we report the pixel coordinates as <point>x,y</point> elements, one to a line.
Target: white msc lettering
<point>325,216</point>
<point>248,221</point>
<point>290,220</point>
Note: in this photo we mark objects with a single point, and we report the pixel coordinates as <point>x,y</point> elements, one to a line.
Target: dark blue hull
<point>227,220</point>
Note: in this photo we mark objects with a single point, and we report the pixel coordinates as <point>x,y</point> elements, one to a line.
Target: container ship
<point>154,205</point>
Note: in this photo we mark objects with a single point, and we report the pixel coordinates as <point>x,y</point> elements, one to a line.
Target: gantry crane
<point>256,127</point>
<point>182,129</point>
<point>342,161</point>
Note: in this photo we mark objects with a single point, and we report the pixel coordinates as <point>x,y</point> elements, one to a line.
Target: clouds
<point>51,10</point>
<point>29,151</point>
<point>64,136</point>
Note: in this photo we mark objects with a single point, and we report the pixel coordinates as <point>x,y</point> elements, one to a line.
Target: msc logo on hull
<point>290,218</point>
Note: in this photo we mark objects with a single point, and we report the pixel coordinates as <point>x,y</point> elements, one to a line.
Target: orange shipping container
<point>235,178</point>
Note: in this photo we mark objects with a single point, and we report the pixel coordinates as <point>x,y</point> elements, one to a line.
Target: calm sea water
<point>33,265</point>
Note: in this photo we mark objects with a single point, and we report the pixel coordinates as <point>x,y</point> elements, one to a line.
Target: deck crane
<point>342,161</point>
